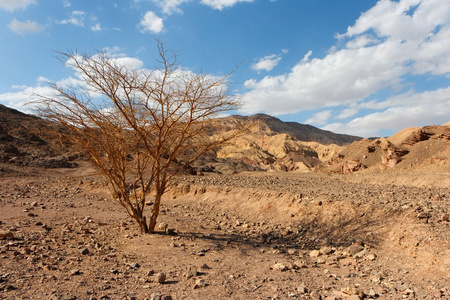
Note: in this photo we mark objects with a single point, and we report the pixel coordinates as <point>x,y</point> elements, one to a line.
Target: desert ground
<point>252,235</point>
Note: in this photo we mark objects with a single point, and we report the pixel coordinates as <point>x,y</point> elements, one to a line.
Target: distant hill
<point>271,144</point>
<point>268,125</point>
<point>268,144</point>
<point>417,148</point>
<point>25,141</point>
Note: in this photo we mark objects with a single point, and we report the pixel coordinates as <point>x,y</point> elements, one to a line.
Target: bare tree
<point>138,127</point>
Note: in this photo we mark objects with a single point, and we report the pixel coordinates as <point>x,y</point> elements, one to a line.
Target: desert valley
<point>286,211</point>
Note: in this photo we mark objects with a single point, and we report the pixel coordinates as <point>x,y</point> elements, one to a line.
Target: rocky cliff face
<point>419,148</point>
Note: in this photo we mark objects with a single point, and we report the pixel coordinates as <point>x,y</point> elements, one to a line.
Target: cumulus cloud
<point>405,110</point>
<point>151,22</point>
<point>12,5</point>
<point>221,4</point>
<point>385,46</point>
<point>22,28</point>
<point>267,63</point>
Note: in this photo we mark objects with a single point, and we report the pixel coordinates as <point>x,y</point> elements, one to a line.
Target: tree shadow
<point>311,233</point>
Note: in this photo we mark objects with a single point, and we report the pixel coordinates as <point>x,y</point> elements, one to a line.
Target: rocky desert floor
<point>246,236</point>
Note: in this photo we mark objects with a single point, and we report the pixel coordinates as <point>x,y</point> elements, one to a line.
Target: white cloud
<point>406,110</point>
<point>221,4</point>
<point>118,57</point>
<point>66,3</point>
<point>22,28</point>
<point>386,44</point>
<point>96,27</point>
<point>320,118</point>
<point>75,18</point>
<point>267,63</point>
<point>306,57</point>
<point>347,113</point>
<point>170,6</point>
<point>12,5</point>
<point>19,100</point>
<point>151,22</point>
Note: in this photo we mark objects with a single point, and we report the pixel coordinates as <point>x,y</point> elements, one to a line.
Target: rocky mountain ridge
<point>267,144</point>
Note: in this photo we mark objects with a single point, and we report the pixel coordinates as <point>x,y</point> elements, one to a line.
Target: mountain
<point>25,140</point>
<point>271,144</point>
<point>266,144</point>
<point>268,125</point>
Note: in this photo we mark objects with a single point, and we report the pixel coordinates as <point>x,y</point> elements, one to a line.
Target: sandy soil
<point>245,236</point>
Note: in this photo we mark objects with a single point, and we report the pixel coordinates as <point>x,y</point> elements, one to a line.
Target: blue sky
<point>368,68</point>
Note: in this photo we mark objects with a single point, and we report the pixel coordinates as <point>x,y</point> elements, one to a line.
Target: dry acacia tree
<point>139,127</point>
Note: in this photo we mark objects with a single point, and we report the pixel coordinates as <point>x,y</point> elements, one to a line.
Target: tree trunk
<point>142,223</point>
<point>155,213</point>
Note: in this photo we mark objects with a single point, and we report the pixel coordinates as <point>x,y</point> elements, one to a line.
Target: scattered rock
<point>422,215</point>
<point>75,272</point>
<point>280,267</point>
<point>292,251</point>
<point>371,257</point>
<point>314,253</point>
<point>354,249</point>
<point>6,235</point>
<point>352,291</point>
<point>135,265</point>
<point>84,251</point>
<point>326,250</point>
<point>191,272</point>
<point>199,283</point>
<point>445,218</point>
<point>160,278</point>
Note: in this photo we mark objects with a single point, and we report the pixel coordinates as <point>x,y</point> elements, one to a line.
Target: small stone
<point>371,257</point>
<point>352,291</point>
<point>155,296</point>
<point>135,265</point>
<point>445,218</point>
<point>26,250</point>
<point>292,251</point>
<point>326,250</point>
<point>160,278</point>
<point>84,251</point>
<point>280,267</point>
<point>314,253</point>
<point>205,267</point>
<point>301,289</point>
<point>372,293</point>
<point>199,283</point>
<point>6,235</point>
<point>321,261</point>
<point>191,272</point>
<point>422,215</point>
<point>75,272</point>
<point>298,264</point>
<point>354,249</point>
